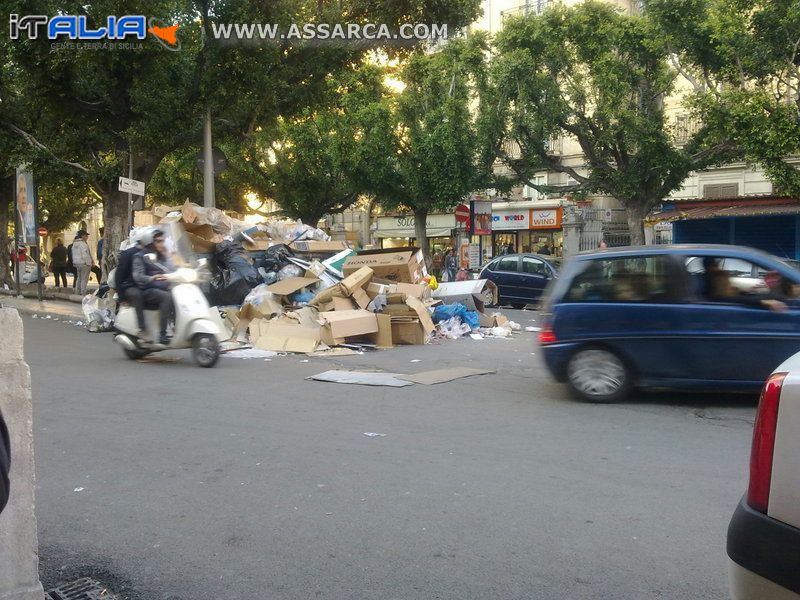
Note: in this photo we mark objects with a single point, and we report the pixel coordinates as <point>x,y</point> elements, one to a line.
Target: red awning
<point>732,210</point>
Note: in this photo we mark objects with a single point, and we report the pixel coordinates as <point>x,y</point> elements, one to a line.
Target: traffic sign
<point>42,231</point>
<point>131,186</point>
<point>462,213</point>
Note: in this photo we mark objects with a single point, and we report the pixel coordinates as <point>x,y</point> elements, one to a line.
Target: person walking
<point>450,266</point>
<point>58,263</point>
<point>98,268</point>
<point>82,260</point>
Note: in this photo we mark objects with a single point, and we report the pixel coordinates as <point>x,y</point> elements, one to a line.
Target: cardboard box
<point>404,265</point>
<point>407,333</point>
<point>281,335</point>
<point>337,326</point>
<point>471,293</point>
<point>290,285</point>
<point>383,338</point>
<point>356,280</point>
<point>316,246</point>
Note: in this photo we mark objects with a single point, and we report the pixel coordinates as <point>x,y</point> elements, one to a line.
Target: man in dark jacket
<point>150,276</point>
<point>58,263</point>
<point>5,463</point>
<point>126,286</point>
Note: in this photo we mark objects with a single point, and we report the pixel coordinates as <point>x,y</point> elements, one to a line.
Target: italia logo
<point>76,27</point>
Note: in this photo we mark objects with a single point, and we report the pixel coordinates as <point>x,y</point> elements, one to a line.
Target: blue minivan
<point>644,317</point>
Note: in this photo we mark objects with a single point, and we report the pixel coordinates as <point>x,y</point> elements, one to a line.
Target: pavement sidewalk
<point>32,306</point>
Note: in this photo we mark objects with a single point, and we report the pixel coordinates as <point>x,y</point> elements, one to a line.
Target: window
<point>738,267</point>
<point>635,279</point>
<point>508,264</point>
<point>721,190</point>
<point>534,266</point>
<point>733,277</point>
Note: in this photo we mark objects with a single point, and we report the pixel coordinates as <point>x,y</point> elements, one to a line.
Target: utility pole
<point>208,164</point>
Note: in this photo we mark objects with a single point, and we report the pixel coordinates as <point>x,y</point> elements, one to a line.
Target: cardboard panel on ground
<point>398,265</point>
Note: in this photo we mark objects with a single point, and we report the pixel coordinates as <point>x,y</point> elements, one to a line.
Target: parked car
<point>621,318</point>
<point>521,278</point>
<point>764,532</point>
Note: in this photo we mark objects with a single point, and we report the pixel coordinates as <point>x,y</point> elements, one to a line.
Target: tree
<point>428,156</point>
<point>94,112</point>
<point>743,61</point>
<point>601,78</point>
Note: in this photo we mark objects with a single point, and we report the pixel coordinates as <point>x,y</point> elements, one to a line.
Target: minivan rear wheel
<point>599,375</point>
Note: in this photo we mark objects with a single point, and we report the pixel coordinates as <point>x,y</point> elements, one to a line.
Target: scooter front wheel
<point>205,349</point>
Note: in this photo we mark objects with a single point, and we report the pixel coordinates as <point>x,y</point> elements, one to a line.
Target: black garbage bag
<point>233,274</point>
<point>276,257</point>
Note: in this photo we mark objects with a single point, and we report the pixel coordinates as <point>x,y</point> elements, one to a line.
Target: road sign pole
<point>208,166</point>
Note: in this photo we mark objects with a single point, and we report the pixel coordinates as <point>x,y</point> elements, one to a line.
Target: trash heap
<point>383,299</point>
<point>284,286</point>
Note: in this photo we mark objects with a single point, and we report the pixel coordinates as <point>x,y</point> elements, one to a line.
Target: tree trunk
<point>421,232</point>
<point>635,213</point>
<point>116,211</point>
<point>5,208</point>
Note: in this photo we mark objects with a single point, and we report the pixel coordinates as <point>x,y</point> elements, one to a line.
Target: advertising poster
<point>481,217</point>
<point>25,199</point>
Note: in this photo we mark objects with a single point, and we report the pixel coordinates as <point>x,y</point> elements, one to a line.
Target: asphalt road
<point>248,482</point>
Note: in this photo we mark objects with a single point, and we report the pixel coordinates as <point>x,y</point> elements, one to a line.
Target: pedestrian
<point>511,249</point>
<point>82,261</point>
<point>544,250</point>
<point>58,263</point>
<point>97,269</point>
<point>450,266</point>
<point>602,245</point>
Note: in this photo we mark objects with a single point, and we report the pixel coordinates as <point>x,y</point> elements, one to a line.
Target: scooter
<point>196,323</point>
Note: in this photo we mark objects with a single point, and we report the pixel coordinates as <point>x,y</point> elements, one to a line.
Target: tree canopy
<point>594,75</point>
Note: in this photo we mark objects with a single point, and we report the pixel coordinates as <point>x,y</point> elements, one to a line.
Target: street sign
<point>219,161</point>
<point>131,186</point>
<point>462,213</point>
<point>42,231</point>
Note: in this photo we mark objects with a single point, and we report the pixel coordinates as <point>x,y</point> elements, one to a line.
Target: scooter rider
<point>150,277</point>
<point>126,286</point>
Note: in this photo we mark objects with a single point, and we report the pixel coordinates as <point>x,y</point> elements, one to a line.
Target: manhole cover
<point>82,589</point>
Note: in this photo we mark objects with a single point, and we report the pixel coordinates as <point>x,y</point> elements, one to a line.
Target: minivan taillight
<point>764,443</point>
<point>547,336</point>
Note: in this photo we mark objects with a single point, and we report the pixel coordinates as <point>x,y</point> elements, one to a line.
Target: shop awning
<point>406,233</point>
<point>722,210</point>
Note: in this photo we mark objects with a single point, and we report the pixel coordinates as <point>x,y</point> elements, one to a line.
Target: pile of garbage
<point>284,286</point>
<point>383,299</point>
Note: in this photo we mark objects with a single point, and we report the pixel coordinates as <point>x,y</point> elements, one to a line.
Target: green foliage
<point>742,57</point>
<point>600,77</point>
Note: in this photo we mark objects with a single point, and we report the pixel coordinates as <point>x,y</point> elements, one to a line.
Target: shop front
<point>523,229</point>
<point>546,230</point>
<point>399,231</point>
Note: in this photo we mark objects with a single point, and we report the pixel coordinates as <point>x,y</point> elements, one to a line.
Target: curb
<point>62,296</point>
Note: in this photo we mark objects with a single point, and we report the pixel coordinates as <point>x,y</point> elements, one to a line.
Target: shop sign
<point>546,218</point>
<point>504,220</point>
<point>403,225</point>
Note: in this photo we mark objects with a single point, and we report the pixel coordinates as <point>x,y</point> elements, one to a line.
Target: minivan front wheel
<point>598,375</point>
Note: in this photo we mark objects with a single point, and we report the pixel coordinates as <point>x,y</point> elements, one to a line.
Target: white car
<point>764,532</point>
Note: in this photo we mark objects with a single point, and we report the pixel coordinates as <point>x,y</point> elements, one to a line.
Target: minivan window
<point>628,279</point>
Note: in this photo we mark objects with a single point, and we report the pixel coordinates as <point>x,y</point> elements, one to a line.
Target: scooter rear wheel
<point>205,350</point>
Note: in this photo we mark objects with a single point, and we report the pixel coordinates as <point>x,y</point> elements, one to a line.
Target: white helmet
<point>146,235</point>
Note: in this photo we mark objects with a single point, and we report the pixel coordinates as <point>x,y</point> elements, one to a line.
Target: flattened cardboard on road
<point>361,378</point>
<point>443,375</point>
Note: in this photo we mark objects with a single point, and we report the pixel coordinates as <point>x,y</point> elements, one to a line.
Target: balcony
<point>532,7</point>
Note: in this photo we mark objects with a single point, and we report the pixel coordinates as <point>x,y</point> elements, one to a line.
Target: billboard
<point>25,201</point>
<point>480,218</point>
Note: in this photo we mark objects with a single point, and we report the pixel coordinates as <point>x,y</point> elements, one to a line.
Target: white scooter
<point>196,323</point>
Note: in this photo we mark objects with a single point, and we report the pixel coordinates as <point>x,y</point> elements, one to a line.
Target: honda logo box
<point>399,265</point>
